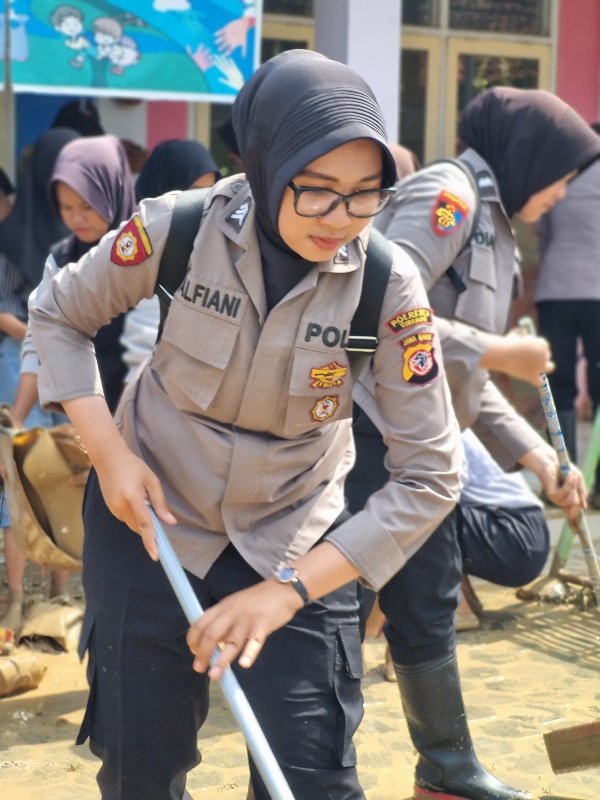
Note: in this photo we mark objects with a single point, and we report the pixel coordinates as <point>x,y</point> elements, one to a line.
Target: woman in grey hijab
<point>238,432</point>
<point>176,164</point>
<point>91,190</point>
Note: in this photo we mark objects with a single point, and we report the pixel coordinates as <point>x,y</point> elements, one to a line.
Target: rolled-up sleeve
<point>406,395</point>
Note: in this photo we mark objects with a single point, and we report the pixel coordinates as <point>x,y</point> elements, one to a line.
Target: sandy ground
<point>529,668</point>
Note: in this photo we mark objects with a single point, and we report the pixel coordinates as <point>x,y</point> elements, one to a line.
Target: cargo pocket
<point>87,630</point>
<point>477,305</point>
<point>347,684</point>
<point>205,344</point>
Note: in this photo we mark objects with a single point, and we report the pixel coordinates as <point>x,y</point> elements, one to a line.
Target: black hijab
<point>34,225</point>
<point>174,164</point>
<point>298,106</point>
<point>81,115</point>
<point>529,137</point>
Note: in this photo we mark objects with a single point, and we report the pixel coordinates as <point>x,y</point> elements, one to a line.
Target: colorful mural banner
<point>200,50</point>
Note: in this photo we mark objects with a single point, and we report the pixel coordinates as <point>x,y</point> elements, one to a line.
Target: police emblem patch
<point>420,366</point>
<point>324,408</point>
<point>405,319</point>
<point>449,213</point>
<point>328,376</point>
<point>132,245</point>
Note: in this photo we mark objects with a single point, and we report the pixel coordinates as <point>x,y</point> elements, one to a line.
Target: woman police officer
<point>238,432</point>
<point>523,148</point>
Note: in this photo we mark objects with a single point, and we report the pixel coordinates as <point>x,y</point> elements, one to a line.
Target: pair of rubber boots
<point>447,767</point>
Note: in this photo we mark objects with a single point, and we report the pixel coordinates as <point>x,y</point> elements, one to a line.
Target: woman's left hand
<point>241,623</point>
<point>570,492</point>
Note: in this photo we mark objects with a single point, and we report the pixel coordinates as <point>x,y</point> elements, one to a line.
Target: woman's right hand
<point>127,484</point>
<point>126,481</point>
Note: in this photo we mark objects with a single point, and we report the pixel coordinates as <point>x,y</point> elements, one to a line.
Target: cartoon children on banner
<point>105,43</point>
<point>218,36</point>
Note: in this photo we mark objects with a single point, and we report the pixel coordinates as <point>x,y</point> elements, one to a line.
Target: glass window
<point>530,17</point>
<point>298,8</point>
<point>413,98</point>
<point>272,47</point>
<point>420,12</point>
<point>478,73</point>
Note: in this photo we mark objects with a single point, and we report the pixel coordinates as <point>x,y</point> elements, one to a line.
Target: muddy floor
<point>530,667</point>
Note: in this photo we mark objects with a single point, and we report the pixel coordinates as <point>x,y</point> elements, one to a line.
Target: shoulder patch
<point>132,245</point>
<point>405,319</point>
<point>448,214</point>
<point>237,219</point>
<point>420,366</point>
<point>485,184</point>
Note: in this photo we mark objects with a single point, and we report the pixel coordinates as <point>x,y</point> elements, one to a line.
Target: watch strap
<point>301,589</point>
<point>289,576</point>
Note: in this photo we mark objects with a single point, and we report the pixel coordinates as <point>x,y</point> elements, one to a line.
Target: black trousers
<point>563,322</point>
<point>147,704</point>
<point>420,600</point>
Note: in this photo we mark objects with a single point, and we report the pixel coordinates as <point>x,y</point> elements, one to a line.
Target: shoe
<point>465,620</point>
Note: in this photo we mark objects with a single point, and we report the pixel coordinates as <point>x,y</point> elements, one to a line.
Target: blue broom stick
<point>263,757</point>
<point>579,524</point>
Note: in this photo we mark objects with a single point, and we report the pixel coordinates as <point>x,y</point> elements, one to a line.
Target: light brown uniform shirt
<point>246,415</point>
<point>433,219</point>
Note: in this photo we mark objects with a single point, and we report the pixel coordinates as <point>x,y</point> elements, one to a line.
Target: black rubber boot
<point>447,767</point>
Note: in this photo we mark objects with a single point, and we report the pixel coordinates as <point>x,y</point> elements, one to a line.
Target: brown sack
<point>20,671</point>
<point>43,504</point>
<point>54,620</point>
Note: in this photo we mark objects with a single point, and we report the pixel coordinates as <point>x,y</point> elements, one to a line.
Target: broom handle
<point>263,757</point>
<point>579,524</point>
<point>590,461</point>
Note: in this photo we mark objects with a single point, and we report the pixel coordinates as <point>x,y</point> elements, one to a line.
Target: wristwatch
<point>289,575</point>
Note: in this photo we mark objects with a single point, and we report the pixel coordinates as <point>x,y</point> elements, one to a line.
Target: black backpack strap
<point>363,340</point>
<point>185,222</point>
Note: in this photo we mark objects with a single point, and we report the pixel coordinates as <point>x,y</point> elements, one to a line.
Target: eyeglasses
<point>311,201</point>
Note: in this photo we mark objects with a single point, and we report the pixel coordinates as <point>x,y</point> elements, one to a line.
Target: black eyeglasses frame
<point>341,198</point>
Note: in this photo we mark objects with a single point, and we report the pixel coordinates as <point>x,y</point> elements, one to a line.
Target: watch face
<point>286,575</point>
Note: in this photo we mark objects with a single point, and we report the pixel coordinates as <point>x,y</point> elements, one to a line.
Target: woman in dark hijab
<point>34,224</point>
<point>532,140</point>
<point>81,115</point>
<point>176,164</point>
<point>454,216</point>
<point>243,418</point>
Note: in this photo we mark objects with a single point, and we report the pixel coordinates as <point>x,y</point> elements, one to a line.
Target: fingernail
<point>198,665</point>
<point>215,673</point>
<point>245,661</point>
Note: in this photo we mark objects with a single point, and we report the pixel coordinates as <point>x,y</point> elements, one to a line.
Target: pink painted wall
<point>578,75</point>
<point>166,120</point>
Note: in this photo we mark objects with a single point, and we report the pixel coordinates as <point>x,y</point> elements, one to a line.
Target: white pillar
<point>365,35</point>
